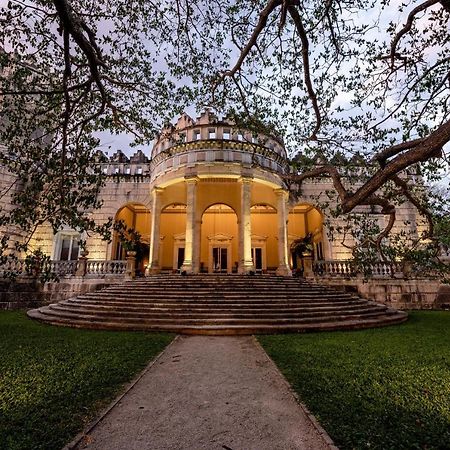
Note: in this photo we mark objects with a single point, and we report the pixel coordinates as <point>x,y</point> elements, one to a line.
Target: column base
<point>284,271</point>
<point>246,267</point>
<point>152,270</point>
<point>187,268</point>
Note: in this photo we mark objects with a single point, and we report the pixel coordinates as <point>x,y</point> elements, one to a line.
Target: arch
<point>306,237</point>
<point>218,204</point>
<point>172,233</point>
<point>302,204</point>
<point>135,216</point>
<point>173,206</point>
<point>264,224</point>
<point>219,239</point>
<point>266,206</point>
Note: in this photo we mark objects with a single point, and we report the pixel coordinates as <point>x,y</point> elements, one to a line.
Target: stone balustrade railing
<point>348,268</point>
<point>105,267</point>
<point>209,151</point>
<point>63,268</point>
<point>12,266</point>
<point>332,267</point>
<point>58,269</point>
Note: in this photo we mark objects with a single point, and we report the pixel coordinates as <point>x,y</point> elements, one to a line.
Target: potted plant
<point>301,248</point>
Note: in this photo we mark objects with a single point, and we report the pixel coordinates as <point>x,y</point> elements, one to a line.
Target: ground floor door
<point>180,257</point>
<point>257,259</point>
<point>220,259</point>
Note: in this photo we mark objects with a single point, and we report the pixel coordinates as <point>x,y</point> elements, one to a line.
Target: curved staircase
<point>219,305</point>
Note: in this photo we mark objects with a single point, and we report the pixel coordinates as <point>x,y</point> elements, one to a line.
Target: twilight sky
<point>110,143</point>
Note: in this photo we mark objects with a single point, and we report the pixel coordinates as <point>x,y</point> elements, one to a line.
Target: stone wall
<point>27,293</point>
<point>397,293</point>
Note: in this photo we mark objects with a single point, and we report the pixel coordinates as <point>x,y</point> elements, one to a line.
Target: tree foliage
<point>338,78</point>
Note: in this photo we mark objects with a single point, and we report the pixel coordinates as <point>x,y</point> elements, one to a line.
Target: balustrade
<point>348,268</point>
<point>12,266</point>
<point>63,268</point>
<point>104,267</point>
<point>66,268</point>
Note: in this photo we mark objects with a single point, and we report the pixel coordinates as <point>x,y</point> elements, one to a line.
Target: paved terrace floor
<point>208,393</point>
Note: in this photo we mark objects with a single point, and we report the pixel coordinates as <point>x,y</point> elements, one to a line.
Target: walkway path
<point>208,393</point>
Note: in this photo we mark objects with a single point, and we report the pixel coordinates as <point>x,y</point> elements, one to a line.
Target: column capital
<point>281,192</point>
<point>191,179</point>
<point>245,179</point>
<point>157,190</point>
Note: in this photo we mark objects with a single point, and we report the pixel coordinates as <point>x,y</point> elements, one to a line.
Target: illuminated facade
<point>211,198</point>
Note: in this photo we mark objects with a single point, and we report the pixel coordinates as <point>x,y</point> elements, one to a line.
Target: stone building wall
<point>405,294</point>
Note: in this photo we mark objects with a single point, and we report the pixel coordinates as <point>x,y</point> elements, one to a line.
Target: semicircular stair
<point>218,305</point>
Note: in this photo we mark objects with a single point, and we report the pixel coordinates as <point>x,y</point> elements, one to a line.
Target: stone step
<point>211,305</point>
<point>218,299</point>
<point>229,293</point>
<point>168,312</point>
<point>208,320</point>
<point>223,330</point>
<point>218,305</point>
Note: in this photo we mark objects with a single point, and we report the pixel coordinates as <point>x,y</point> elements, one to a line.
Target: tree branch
<point>407,27</point>
<point>306,70</point>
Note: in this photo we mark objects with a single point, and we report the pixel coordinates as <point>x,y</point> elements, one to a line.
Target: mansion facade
<point>209,198</point>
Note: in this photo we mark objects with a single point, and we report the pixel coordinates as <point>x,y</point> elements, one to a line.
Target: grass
<point>53,380</point>
<point>386,388</point>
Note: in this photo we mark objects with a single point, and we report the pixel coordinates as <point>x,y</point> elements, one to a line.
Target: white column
<point>196,246</point>
<point>191,236</point>
<point>154,266</point>
<point>245,228</point>
<point>283,257</point>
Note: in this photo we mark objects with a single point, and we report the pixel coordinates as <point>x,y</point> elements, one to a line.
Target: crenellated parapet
<point>120,167</point>
<point>209,141</point>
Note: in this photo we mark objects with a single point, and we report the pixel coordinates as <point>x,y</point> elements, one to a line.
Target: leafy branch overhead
<point>344,87</point>
<point>335,77</point>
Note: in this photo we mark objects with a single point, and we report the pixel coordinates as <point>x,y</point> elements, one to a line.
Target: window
<point>116,170</point>
<point>67,246</point>
<point>105,170</point>
<point>212,133</point>
<point>139,170</point>
<point>240,137</point>
<point>119,251</point>
<point>226,134</point>
<point>182,137</point>
<point>196,135</point>
<point>127,170</point>
<point>254,139</point>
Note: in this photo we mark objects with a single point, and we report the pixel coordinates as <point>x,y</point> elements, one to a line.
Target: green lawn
<point>386,388</point>
<point>53,380</point>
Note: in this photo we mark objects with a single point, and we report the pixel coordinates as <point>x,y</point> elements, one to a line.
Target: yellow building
<point>217,202</point>
<point>211,198</point>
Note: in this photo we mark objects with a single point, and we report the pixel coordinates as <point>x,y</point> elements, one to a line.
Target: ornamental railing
<point>63,268</point>
<point>13,268</point>
<point>217,150</point>
<point>349,268</point>
<point>102,267</point>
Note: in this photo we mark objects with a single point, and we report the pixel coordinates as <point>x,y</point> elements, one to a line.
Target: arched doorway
<point>134,234</point>
<point>172,235</point>
<point>305,235</point>
<point>219,240</point>
<point>264,222</point>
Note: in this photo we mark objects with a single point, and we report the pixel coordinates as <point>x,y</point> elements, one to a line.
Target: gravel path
<point>208,393</point>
